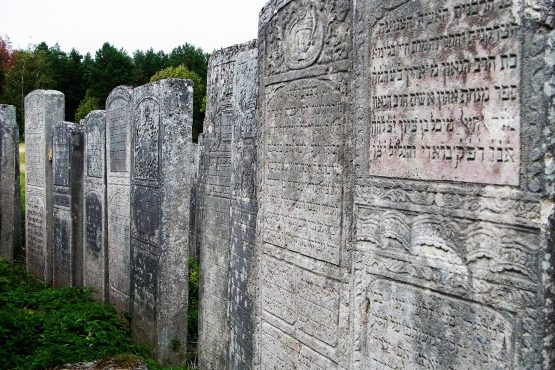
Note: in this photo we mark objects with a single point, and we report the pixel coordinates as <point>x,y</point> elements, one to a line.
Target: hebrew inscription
<point>444,85</point>
<point>304,121</point>
<point>409,327</point>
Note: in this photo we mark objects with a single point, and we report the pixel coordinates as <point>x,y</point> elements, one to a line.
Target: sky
<point>131,25</point>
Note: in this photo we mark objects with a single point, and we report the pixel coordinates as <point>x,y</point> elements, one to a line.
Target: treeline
<point>87,81</point>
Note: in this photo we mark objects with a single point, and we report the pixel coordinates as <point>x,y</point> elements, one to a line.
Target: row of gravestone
<point>374,189</point>
<point>109,203</point>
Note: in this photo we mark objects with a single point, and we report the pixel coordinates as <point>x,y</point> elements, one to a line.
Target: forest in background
<point>87,80</point>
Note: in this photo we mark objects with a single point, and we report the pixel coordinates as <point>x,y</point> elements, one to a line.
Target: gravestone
<point>214,333</point>
<point>43,109</point>
<point>454,212</point>
<point>162,179</point>
<point>244,207</point>
<point>305,184</point>
<point>67,203</point>
<point>95,223</point>
<point>10,247</point>
<point>118,167</point>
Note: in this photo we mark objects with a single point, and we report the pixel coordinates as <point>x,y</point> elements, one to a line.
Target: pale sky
<point>131,25</point>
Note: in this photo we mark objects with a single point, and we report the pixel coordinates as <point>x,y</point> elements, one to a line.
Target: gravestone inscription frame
<point>453,200</point>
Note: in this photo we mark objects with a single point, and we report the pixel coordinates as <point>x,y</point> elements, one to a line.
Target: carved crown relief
<point>305,33</point>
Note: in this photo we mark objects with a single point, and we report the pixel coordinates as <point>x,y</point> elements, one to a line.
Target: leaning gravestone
<point>118,167</point>
<point>67,201</point>
<point>95,235</point>
<point>10,247</point>
<point>162,178</point>
<point>304,218</point>
<point>454,216</point>
<point>214,335</point>
<point>43,109</point>
<point>243,258</point>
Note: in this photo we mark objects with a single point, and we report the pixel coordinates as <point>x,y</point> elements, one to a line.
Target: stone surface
<point>243,277</point>
<point>214,332</point>
<point>305,184</point>
<point>67,203</point>
<point>162,177</point>
<point>43,109</point>
<point>10,245</point>
<point>95,223</point>
<point>118,167</point>
<point>453,245</point>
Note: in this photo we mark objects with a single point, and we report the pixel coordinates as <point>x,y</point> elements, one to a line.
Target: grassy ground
<point>42,327</point>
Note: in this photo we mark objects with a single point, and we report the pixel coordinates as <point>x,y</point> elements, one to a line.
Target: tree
<point>147,64</point>
<point>30,71</point>
<point>111,68</point>
<point>199,92</point>
<point>68,75</point>
<point>87,105</point>
<point>195,59</point>
<point>6,59</point>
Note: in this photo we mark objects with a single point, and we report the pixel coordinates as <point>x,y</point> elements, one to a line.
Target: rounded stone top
<point>120,92</point>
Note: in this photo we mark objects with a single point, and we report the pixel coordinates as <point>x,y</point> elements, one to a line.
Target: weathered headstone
<point>118,163</point>
<point>305,184</point>
<point>244,207</point>
<point>95,223</point>
<point>67,202</point>
<point>454,216</point>
<point>10,247</point>
<point>162,177</point>
<point>43,109</point>
<point>214,333</point>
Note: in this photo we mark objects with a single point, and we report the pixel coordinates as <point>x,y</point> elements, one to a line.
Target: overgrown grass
<point>42,327</point>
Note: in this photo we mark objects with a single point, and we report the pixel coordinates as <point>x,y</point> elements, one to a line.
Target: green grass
<point>42,327</point>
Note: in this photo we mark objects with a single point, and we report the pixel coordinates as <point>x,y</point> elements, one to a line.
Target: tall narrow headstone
<point>305,184</point>
<point>10,247</point>
<point>118,163</point>
<point>162,178</point>
<point>43,109</point>
<point>244,207</point>
<point>454,216</point>
<point>214,333</point>
<point>95,223</point>
<point>67,202</point>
